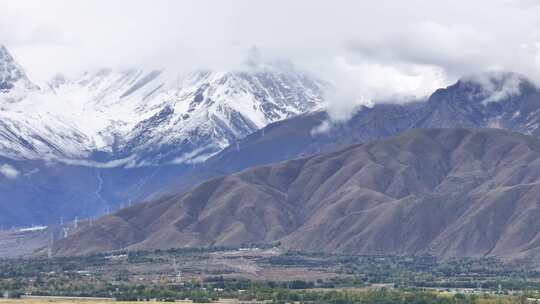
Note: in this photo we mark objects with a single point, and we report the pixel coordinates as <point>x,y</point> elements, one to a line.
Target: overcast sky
<point>378,47</point>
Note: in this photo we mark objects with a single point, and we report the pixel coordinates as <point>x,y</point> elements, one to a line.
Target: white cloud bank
<point>368,50</point>
<point>9,171</point>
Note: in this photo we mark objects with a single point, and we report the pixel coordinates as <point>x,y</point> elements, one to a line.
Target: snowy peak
<point>11,73</point>
<point>150,117</point>
<point>207,111</point>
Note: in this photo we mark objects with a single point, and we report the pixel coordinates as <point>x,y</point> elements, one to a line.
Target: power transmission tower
<point>177,271</point>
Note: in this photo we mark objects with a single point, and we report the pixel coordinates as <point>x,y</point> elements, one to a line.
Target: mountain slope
<point>449,192</point>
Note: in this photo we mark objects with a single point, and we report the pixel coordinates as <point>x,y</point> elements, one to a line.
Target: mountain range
<point>80,147</point>
<point>238,157</point>
<point>137,117</point>
<point>491,100</point>
<point>446,192</point>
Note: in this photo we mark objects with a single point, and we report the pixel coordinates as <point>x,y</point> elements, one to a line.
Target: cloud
<point>537,55</point>
<point>425,42</point>
<point>369,50</point>
<point>9,171</point>
<point>364,83</point>
<point>457,49</point>
<point>498,86</point>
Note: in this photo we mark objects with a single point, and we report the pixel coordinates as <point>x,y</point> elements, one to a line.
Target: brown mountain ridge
<point>447,192</point>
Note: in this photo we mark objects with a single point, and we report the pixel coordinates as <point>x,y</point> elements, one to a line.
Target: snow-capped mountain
<point>137,117</point>
<point>84,146</point>
<point>13,80</point>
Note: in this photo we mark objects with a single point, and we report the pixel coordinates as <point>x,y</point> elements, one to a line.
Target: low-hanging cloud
<point>497,86</point>
<point>364,83</point>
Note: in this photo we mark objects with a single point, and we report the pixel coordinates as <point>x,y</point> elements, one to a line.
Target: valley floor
<point>233,272</point>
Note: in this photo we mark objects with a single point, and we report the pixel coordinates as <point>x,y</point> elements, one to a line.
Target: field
<point>59,300</point>
<point>337,296</point>
<point>67,300</point>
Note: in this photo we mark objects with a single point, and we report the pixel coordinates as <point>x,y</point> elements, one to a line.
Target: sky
<point>370,50</point>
